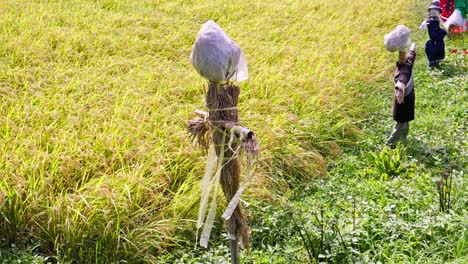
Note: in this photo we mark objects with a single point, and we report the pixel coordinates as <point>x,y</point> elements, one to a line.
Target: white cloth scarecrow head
<point>398,39</point>
<point>216,56</point>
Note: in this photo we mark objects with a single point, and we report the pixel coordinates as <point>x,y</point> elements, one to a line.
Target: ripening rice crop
<point>95,160</point>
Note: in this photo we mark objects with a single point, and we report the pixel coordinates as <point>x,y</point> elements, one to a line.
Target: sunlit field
<point>95,161</point>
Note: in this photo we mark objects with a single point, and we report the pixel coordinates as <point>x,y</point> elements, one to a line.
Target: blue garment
<point>435,46</point>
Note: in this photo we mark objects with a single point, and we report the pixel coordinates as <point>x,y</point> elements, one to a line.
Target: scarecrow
<point>221,61</point>
<point>404,98</point>
<point>435,46</point>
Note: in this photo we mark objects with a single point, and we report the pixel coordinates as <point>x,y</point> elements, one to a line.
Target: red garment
<point>446,13</point>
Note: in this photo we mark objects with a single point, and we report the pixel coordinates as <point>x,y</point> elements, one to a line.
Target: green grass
<point>97,166</point>
<point>16,256</point>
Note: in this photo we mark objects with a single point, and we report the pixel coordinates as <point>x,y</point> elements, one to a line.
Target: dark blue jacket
<point>435,46</point>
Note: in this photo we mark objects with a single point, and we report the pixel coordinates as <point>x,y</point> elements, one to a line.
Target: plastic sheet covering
<point>205,236</point>
<point>398,39</point>
<point>235,200</point>
<point>216,56</point>
<point>206,184</point>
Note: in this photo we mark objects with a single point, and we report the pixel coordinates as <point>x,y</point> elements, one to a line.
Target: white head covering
<point>398,39</point>
<point>216,56</point>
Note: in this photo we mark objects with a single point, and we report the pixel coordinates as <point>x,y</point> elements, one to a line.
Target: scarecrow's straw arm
<point>240,131</point>
<point>201,113</point>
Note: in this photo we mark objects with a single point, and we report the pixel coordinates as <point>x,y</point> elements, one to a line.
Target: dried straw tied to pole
<point>222,121</point>
<point>221,101</point>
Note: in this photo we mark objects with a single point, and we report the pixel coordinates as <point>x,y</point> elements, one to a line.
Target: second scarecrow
<point>404,98</point>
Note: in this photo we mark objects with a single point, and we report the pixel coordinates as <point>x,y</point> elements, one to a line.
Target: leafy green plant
<point>16,256</point>
<point>388,163</point>
<point>320,235</point>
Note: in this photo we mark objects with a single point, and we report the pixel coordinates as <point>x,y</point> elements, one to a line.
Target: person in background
<point>404,97</point>
<point>435,46</point>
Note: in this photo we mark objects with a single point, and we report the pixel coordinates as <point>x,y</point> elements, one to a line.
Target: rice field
<point>95,161</point>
